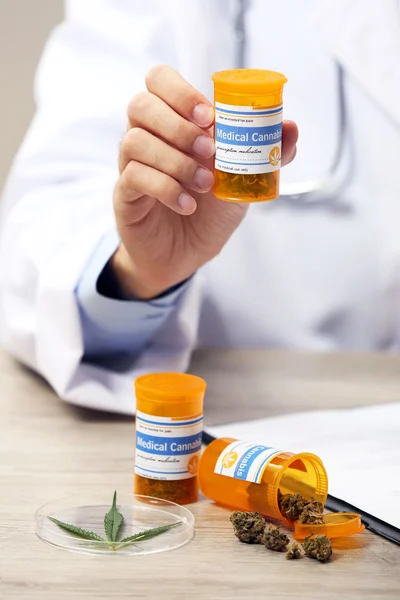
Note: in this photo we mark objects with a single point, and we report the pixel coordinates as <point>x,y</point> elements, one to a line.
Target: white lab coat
<point>316,277</point>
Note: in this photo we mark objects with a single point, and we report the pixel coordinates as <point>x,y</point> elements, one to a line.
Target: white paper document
<point>359,447</point>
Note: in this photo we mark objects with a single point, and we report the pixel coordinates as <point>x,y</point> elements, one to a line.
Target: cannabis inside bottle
<point>249,477</point>
<point>169,423</point>
<point>248,134</point>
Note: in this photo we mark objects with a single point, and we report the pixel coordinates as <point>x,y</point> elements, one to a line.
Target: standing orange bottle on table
<point>248,134</point>
<point>169,425</point>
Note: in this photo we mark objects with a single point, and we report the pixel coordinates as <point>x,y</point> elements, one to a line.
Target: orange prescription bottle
<point>246,476</point>
<point>169,424</point>
<point>248,134</point>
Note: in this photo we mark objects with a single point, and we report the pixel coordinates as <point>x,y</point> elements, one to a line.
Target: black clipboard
<point>381,528</point>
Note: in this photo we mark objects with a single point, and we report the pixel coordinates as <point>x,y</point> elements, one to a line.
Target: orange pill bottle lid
<point>336,525</point>
<point>248,81</point>
<point>174,388</point>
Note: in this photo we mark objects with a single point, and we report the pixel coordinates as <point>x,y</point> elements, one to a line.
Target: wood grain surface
<point>49,449</point>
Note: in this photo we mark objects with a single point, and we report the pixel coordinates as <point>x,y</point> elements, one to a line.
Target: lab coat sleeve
<point>114,327</point>
<point>57,207</point>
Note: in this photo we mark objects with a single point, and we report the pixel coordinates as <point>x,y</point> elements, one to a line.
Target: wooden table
<point>49,449</point>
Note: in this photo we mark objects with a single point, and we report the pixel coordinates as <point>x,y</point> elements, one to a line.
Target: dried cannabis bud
<point>274,539</point>
<point>319,547</point>
<point>248,526</point>
<point>291,505</point>
<point>294,551</point>
<point>296,508</point>
<point>312,513</point>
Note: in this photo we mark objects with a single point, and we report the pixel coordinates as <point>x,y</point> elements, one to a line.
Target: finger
<point>139,180</point>
<point>149,112</point>
<point>141,146</point>
<point>290,135</point>
<point>170,86</point>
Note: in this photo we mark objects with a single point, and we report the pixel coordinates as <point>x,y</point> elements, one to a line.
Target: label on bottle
<point>248,140</point>
<point>167,448</point>
<point>245,460</point>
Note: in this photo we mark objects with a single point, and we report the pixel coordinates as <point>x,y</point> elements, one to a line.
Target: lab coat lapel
<point>204,37</point>
<point>364,36</point>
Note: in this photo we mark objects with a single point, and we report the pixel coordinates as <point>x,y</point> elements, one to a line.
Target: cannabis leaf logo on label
<point>229,459</point>
<point>275,156</point>
<point>193,465</point>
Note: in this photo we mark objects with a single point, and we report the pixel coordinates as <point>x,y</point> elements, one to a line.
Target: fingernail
<point>186,203</point>
<point>203,115</point>
<point>204,146</point>
<point>203,179</point>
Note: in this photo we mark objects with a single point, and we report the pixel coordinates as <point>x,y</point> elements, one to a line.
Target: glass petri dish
<point>140,513</point>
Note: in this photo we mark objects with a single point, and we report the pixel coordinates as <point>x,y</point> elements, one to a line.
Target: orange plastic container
<point>336,525</point>
<point>248,134</point>
<point>290,473</point>
<point>169,423</point>
<point>248,477</point>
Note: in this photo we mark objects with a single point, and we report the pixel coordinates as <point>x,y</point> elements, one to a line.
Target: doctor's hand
<point>169,221</point>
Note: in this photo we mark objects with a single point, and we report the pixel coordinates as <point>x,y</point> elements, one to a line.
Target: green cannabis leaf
<point>113,521</point>
<point>83,533</point>
<point>112,526</point>
<point>149,533</point>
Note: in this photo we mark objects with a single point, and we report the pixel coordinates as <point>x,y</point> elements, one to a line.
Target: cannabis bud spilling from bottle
<point>256,478</point>
<point>248,134</point>
<point>282,486</point>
